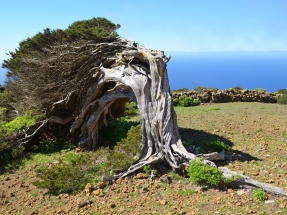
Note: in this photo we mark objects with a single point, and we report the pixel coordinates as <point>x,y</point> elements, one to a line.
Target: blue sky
<point>181,25</point>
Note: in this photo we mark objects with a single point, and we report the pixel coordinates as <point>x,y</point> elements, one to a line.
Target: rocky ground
<point>256,132</point>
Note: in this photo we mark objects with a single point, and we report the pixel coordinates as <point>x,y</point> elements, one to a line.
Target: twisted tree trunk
<point>139,74</point>
<point>101,78</point>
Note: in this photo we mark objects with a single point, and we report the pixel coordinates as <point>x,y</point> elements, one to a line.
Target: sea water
<point>223,70</point>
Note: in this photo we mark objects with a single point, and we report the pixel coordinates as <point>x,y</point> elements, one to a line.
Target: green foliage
<point>282,91</point>
<point>259,194</point>
<point>186,192</point>
<point>35,193</point>
<point>175,102</point>
<point>25,121</point>
<point>10,150</point>
<point>125,153</point>
<point>73,172</point>
<point>131,109</point>
<point>91,29</point>
<point>70,174</point>
<point>185,101</point>
<point>231,179</point>
<point>181,90</point>
<point>220,146</point>
<point>201,173</point>
<point>175,176</point>
<point>259,90</point>
<point>237,88</point>
<point>147,170</point>
<point>187,143</point>
<point>52,146</point>
<point>116,131</point>
<point>282,99</point>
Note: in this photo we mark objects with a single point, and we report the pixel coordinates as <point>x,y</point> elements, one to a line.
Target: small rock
<point>270,203</point>
<point>121,210</point>
<point>98,192</point>
<point>81,202</point>
<point>162,202</point>
<point>101,184</point>
<point>166,179</point>
<point>6,178</point>
<point>88,189</point>
<point>240,192</point>
<point>140,176</point>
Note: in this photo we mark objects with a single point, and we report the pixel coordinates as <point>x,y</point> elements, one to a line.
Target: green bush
<point>75,170</point>
<point>219,146</point>
<point>116,131</point>
<point>125,153</point>
<point>201,173</point>
<point>27,120</point>
<point>232,178</point>
<point>282,99</point>
<point>71,174</point>
<point>52,146</point>
<point>237,88</point>
<point>259,194</point>
<point>185,101</point>
<point>131,109</point>
<point>282,91</point>
<point>175,102</point>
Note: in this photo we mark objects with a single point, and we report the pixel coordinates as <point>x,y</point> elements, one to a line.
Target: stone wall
<point>230,95</point>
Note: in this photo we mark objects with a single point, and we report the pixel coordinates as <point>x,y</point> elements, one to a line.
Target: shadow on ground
<point>203,139</point>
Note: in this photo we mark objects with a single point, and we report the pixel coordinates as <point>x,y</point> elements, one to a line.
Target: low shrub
<point>175,102</point>
<point>25,121</point>
<point>259,194</point>
<point>126,151</point>
<point>116,131</point>
<point>237,88</point>
<point>201,173</point>
<point>233,178</point>
<point>185,101</point>
<point>282,99</point>
<point>220,146</point>
<point>282,91</point>
<point>71,173</point>
<point>131,109</point>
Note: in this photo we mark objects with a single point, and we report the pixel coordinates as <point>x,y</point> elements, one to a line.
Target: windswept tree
<point>82,76</point>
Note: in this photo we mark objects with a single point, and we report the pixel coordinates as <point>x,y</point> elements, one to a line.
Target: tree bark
<point>94,82</point>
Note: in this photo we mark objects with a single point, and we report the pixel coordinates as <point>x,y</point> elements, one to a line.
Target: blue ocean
<point>223,70</point>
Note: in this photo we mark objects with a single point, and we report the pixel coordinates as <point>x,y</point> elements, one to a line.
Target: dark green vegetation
<point>185,101</point>
<point>259,194</point>
<point>36,79</point>
<point>74,170</point>
<point>203,174</point>
<point>282,98</point>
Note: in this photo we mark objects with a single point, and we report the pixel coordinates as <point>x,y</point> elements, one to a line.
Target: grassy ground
<point>256,133</point>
